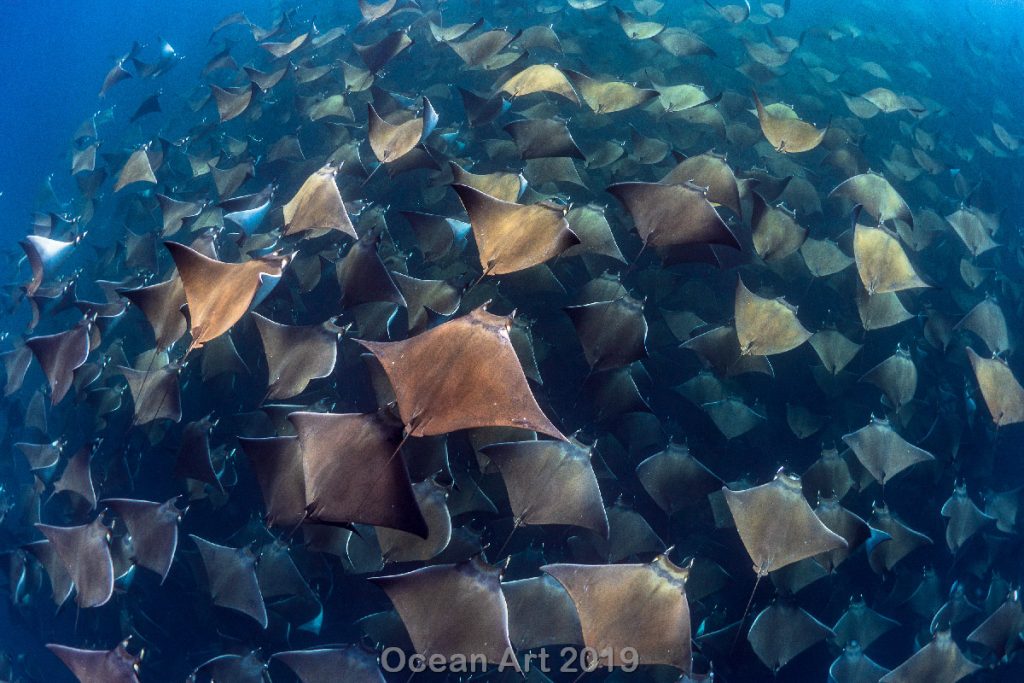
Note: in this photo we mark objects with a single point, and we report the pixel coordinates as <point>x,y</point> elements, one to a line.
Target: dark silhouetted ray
<point>60,355</point>
<point>350,663</point>
<point>783,631</point>
<point>940,661</point>
<point>231,576</point>
<point>156,393</point>
<point>613,333</point>
<point>154,531</point>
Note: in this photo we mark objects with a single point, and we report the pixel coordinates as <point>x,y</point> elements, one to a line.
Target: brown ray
<point>828,476</point>
<point>512,237</point>
<point>636,29</point>
<point>60,355</point>
<point>719,349</point>
<point>156,392</point>
<point>904,540</point>
<point>776,233</point>
<point>882,451</point>
<point>397,545</point>
<point>391,142</point>
<point>219,293</point>
<point>988,322</point>
<point>882,264</point>
<point>427,300</point>
<point>507,187</point>
<point>607,97</point>
<point>896,376</point>
<point>638,606</point>
<point>446,34</point>
<point>194,461</point>
<point>1003,394</point>
<point>318,206</point>
<point>673,215</point>
<point>16,364</point>
<point>45,257</point>
<point>876,195</point>
<point>460,375</point>
<point>45,554</point>
<point>550,482</point>
<point>970,225</point>
<point>277,463</point>
<point>776,524</point>
<point>879,311</point>
<point>542,138</point>
<point>852,666</point>
<point>136,170</point>
<point>232,102</point>
<point>734,14</point>
<point>613,333</point>
<point>437,236</point>
<point>99,666</point>
<point>1000,632</point>
<point>540,78</point>
<point>733,417</point>
<point>766,326</point>
<point>713,172</point>
<point>77,474</point>
<point>676,480</point>
<point>296,354</point>
<point>352,472</point>
<point>842,522</point>
<point>85,553</point>
<point>453,609</point>
<point>541,613</point>
<point>363,277</point>
<point>478,49</point>
<point>154,531</point>
<point>595,233</point>
<point>482,110</point>
<point>861,624</point>
<point>789,135</point>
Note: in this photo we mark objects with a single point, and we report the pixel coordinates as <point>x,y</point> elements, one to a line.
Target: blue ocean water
<point>55,56</point>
